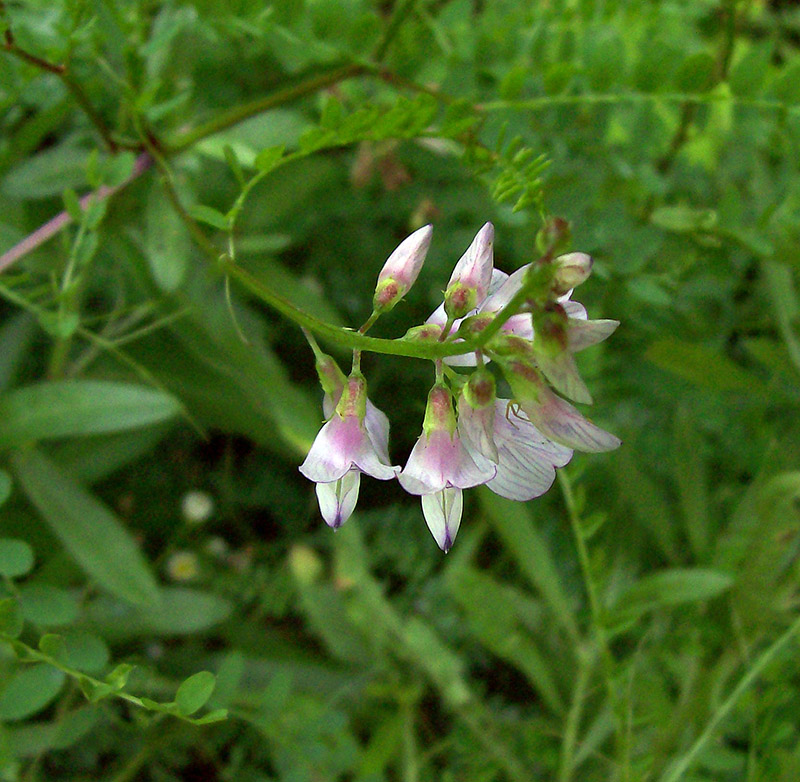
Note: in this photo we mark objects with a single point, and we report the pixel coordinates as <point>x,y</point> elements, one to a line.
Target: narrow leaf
<point>91,533</point>
<point>73,408</point>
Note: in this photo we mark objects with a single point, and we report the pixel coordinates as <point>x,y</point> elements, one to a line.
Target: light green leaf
<point>90,532</point>
<point>512,521</point>
<point>16,557</point>
<point>703,367</point>
<point>182,611</point>
<point>11,621</point>
<point>29,691</point>
<point>167,244</point>
<point>48,605</point>
<point>72,408</point>
<point>209,216</point>
<point>670,588</point>
<point>194,693</point>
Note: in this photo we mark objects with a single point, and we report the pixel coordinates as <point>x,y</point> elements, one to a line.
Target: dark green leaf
<point>91,533</point>
<point>16,557</point>
<point>71,408</point>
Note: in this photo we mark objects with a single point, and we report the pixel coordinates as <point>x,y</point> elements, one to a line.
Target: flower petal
<point>337,499</point>
<point>474,268</point>
<point>476,427</point>
<point>584,333</point>
<point>332,453</point>
<point>526,458</point>
<point>561,422</point>
<point>442,511</point>
<point>562,372</point>
<point>442,461</point>
<point>377,426</point>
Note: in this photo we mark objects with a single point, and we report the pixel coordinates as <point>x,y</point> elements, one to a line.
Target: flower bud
<point>470,280</point>
<point>554,236</point>
<point>571,270</point>
<point>439,415</point>
<point>401,269</point>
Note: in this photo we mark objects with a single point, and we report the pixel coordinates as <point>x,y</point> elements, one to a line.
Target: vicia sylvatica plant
<point>525,323</point>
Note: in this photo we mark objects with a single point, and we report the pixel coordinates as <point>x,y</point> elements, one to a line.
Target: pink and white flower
<point>354,440</point>
<point>440,466</point>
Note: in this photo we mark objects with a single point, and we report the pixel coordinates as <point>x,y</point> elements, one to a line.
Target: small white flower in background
<point>183,566</point>
<point>197,506</point>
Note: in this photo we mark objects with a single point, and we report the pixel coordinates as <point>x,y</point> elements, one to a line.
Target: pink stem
<point>52,227</point>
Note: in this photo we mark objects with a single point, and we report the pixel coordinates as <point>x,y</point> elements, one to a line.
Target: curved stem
<point>345,337</point>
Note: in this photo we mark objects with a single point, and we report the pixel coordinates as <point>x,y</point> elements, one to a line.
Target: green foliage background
<point>636,623</point>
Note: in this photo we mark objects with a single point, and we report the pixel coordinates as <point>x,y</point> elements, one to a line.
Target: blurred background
<point>172,606</point>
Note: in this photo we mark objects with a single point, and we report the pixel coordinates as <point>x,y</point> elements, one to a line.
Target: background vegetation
<point>634,624</point>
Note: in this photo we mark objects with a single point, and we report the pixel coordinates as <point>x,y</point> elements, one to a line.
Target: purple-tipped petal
<point>337,499</point>
<point>442,511</point>
<point>405,262</point>
<point>341,444</point>
<point>377,425</point>
<point>505,291</point>
<point>474,268</point>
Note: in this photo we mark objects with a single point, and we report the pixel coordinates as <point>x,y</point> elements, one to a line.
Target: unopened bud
<point>479,390</point>
<point>331,377</point>
<point>470,280</point>
<point>554,236</point>
<point>571,270</point>
<point>401,269</point>
<point>427,332</point>
<point>354,397</point>
<point>439,413</point>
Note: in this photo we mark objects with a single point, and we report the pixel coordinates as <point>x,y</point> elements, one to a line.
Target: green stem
<point>595,607</point>
<point>677,771</point>
<point>574,720</point>
<point>240,113</point>
<point>401,10</point>
<point>345,337</point>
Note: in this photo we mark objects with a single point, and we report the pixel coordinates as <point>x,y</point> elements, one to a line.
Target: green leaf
<point>53,646</point>
<point>16,557</point>
<point>269,158</point>
<point>118,678</point>
<point>182,611</point>
<point>670,588</point>
<point>73,408</point>
<point>167,243</point>
<point>213,716</point>
<point>696,73</point>
<point>29,691</point>
<point>513,523</point>
<point>48,605</point>
<point>90,532</point>
<point>750,72</point>
<point>703,367</point>
<point>209,216</point>
<point>194,693</point>
<point>684,219</point>
<point>11,620</point>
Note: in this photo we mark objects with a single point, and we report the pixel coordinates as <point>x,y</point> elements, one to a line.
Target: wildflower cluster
<point>527,325</point>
